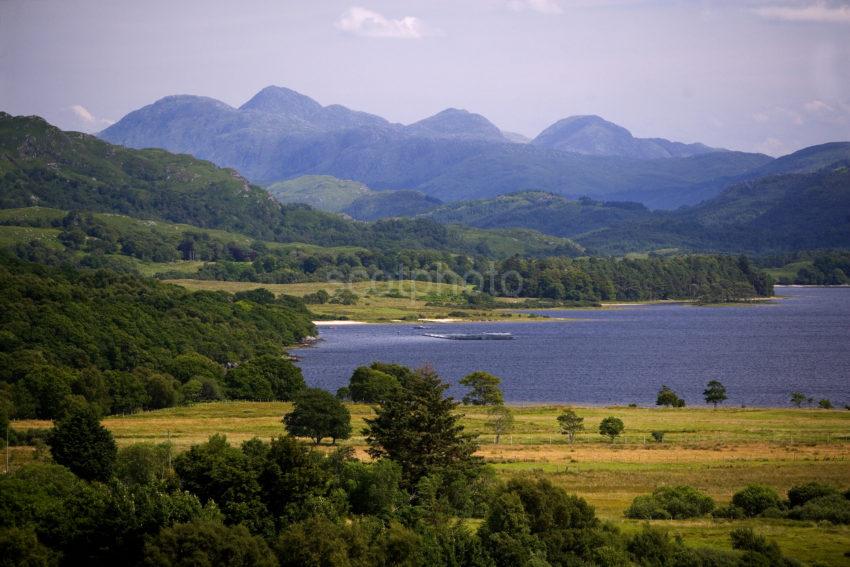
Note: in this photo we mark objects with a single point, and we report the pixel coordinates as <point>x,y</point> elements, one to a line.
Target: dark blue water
<point>616,356</point>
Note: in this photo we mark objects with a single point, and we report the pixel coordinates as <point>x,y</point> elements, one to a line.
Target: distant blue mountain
<point>280,134</point>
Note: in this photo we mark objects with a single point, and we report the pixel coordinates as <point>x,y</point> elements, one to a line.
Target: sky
<point>756,75</point>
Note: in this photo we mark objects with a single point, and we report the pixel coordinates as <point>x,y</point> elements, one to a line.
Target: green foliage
<point>207,544</point>
<point>79,442</point>
<point>570,423</point>
<point>533,520</point>
<point>714,393</point>
<point>658,436</point>
<point>611,427</point>
<point>833,508</point>
<point>714,278</point>
<point>265,377</point>
<point>802,493</point>
<point>418,428</point>
<point>671,502</point>
<point>370,385</point>
<point>798,398</point>
<point>19,547</point>
<point>825,404</point>
<point>500,420</point>
<point>483,389</point>
<point>755,499</point>
<point>90,523</point>
<point>113,339</point>
<point>318,414</point>
<point>667,397</point>
<point>145,464</point>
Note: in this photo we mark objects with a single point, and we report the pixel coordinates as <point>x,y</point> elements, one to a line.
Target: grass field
<point>718,451</point>
<point>381,301</point>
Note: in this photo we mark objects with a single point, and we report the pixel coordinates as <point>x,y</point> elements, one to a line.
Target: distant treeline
<point>124,343</point>
<point>704,278</point>
<point>830,267</point>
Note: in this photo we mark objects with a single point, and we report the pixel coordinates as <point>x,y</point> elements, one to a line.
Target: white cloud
<point>819,12</point>
<point>87,119</point>
<point>817,107</point>
<point>363,22</point>
<point>541,6</point>
<point>772,147</point>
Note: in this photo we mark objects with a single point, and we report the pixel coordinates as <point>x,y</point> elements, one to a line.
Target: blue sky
<point>755,75</point>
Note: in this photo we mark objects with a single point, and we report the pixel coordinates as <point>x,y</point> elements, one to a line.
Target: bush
<point>831,508</point>
<point>802,493</point>
<point>755,499</point>
<point>671,502</point>
<point>658,436</point>
<point>667,397</point>
<point>825,404</point>
<point>729,512</point>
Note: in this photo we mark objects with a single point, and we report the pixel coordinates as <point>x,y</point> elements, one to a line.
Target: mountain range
<point>798,202</point>
<point>280,134</point>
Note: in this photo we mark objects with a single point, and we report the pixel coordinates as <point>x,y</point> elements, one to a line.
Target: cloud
<point>87,119</point>
<point>772,147</point>
<point>818,12</point>
<point>541,6</point>
<point>366,23</point>
<point>818,107</point>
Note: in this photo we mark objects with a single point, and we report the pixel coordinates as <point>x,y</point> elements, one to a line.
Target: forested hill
<point>772,214</point>
<point>42,165</point>
<point>123,342</point>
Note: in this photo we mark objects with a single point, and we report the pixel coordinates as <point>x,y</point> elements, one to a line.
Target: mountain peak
<point>280,100</point>
<point>457,123</point>
<point>593,135</point>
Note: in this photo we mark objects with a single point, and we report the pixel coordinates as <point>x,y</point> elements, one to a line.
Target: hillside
<point>330,194</point>
<point>42,165</point>
<point>775,213</point>
<point>545,212</point>
<point>454,155</point>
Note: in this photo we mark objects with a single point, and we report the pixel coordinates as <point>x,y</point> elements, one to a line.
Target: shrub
<point>755,499</point>
<point>802,493</point>
<point>729,512</point>
<point>825,404</point>
<point>671,502</point>
<point>831,508</point>
<point>208,543</point>
<point>658,436</point>
<point>667,397</point>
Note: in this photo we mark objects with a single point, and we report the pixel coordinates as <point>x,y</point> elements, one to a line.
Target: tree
<point>484,389</point>
<point>318,414</point>
<point>714,393</point>
<point>370,385</point>
<point>667,397</point>
<point>825,404</point>
<point>418,428</point>
<point>500,419</point>
<point>611,427</point>
<point>570,424</point>
<point>79,442</point>
<point>207,544</point>
<point>266,377</point>
<point>797,398</point>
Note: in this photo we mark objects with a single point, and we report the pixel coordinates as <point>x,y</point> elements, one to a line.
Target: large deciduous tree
<point>318,414</point>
